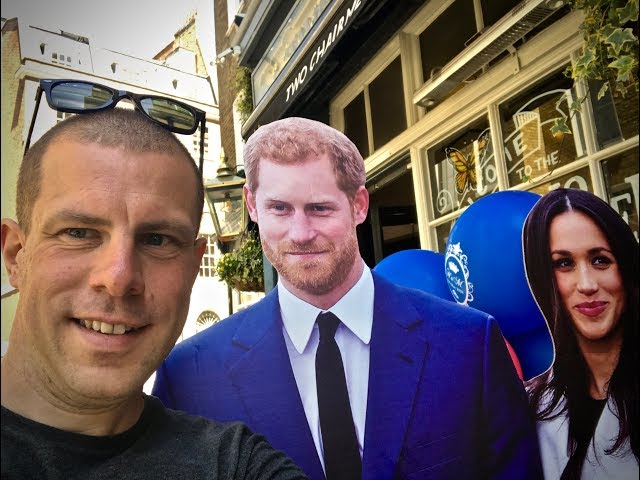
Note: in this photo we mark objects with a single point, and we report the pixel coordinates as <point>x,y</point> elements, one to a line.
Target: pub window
<point>530,149</point>
<point>388,116</point>
<point>621,182</point>
<point>493,11</point>
<point>384,96</point>
<point>446,36</point>
<point>355,124</point>
<point>615,116</point>
<point>462,169</point>
<point>580,179</point>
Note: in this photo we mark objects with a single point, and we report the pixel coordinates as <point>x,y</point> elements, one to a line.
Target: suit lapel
<point>397,359</point>
<point>261,372</point>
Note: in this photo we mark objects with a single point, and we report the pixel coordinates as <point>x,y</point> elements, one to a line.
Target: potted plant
<point>242,268</point>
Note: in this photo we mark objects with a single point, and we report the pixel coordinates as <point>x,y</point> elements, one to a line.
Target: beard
<point>318,276</point>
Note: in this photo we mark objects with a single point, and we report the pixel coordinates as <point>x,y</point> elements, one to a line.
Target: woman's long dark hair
<point>570,374</point>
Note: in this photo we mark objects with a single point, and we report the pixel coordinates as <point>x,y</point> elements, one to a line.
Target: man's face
<point>106,271</point>
<point>308,225</point>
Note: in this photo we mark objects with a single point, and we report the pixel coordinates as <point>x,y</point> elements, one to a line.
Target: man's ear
<point>250,200</point>
<point>13,240</point>
<point>360,205</point>
<point>200,247</point>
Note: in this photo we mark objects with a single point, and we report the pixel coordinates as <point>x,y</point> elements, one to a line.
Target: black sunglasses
<point>78,96</point>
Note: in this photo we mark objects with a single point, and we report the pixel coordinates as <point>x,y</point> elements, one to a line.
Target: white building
<point>180,71</point>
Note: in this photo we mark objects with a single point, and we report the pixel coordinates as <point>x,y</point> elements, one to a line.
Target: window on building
<point>531,150</point>
<point>493,11</point>
<point>383,97</point>
<point>440,41</point>
<point>615,115</point>
<point>621,181</point>
<point>195,147</point>
<point>206,319</point>
<point>355,124</point>
<point>208,264</point>
<point>386,96</point>
<point>462,168</point>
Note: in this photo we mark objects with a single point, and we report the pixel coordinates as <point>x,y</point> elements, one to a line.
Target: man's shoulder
<point>437,313</point>
<point>437,309</point>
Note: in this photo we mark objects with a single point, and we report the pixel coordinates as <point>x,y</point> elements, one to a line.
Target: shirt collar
<point>354,309</point>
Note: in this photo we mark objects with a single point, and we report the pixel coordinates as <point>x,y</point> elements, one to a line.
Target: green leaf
<point>628,13</point>
<point>626,66</point>
<point>586,58</point>
<point>603,90</point>
<point>619,37</point>
<point>576,106</point>
<point>560,127</point>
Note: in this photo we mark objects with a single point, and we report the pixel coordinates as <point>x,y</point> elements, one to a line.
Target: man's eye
<point>154,239</point>
<point>77,232</point>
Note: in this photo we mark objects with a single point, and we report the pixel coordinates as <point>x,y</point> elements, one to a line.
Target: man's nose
<point>118,269</point>
<point>301,229</point>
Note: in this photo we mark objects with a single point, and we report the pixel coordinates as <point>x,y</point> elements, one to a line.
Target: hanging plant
<point>609,51</point>
<point>242,268</point>
<point>244,94</point>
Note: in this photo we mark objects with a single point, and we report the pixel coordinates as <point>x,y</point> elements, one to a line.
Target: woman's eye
<point>602,261</point>
<point>562,263</point>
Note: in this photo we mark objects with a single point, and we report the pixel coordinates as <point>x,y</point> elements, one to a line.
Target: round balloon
<point>484,268</point>
<point>414,268</point>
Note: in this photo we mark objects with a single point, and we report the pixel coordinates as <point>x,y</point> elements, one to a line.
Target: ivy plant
<point>244,94</point>
<point>609,51</point>
<point>242,268</point>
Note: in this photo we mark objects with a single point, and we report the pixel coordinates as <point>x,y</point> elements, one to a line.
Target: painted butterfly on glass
<point>465,166</point>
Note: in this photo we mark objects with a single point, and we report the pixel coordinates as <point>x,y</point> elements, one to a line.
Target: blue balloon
<point>414,268</point>
<point>484,267</point>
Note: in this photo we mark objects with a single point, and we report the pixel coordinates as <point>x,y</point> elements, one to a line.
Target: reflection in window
<point>462,169</point>
<point>530,149</point>
<point>621,180</point>
<point>386,97</point>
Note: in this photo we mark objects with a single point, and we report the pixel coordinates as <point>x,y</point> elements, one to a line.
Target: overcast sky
<point>137,27</point>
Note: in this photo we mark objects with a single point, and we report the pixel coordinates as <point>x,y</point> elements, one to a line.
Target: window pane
<point>386,99</point>
<point>493,11</point>
<point>529,146</point>
<point>445,37</point>
<point>621,180</point>
<point>355,124</point>
<point>442,233</point>
<point>615,116</point>
<point>462,169</point>
<point>580,179</point>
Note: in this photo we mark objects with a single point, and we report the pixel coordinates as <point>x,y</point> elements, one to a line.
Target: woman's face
<point>587,275</point>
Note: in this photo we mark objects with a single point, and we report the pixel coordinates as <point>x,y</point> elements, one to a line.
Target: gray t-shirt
<point>163,444</point>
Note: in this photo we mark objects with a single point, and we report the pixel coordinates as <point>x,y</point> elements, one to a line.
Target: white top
<point>553,436</point>
<point>355,311</point>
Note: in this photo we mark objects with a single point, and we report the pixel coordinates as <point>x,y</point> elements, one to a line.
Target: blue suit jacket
<point>444,399</point>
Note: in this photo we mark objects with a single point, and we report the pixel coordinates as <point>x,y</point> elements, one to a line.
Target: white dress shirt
<point>355,311</point>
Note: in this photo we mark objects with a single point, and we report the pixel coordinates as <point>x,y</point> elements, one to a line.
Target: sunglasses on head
<point>78,96</point>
